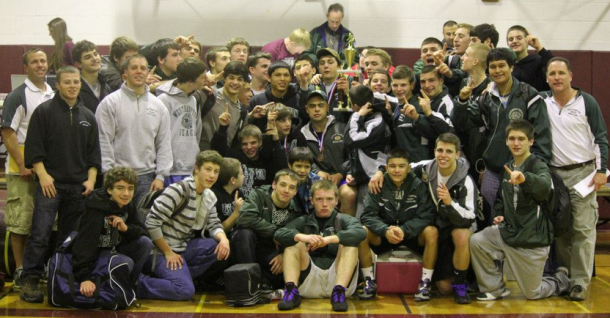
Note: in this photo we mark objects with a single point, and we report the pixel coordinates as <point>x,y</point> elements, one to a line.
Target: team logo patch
<point>574,112</point>
<point>515,114</point>
<point>337,138</point>
<point>85,123</point>
<point>187,121</point>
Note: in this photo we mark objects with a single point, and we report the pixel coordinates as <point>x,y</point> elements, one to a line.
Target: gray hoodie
<point>134,132</point>
<point>185,126</point>
<point>211,122</point>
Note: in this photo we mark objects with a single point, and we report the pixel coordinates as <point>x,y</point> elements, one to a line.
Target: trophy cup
<point>350,54</point>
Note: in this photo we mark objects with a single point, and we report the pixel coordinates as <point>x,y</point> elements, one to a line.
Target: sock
<point>427,274</point>
<point>461,276</point>
<point>368,272</point>
<point>290,285</point>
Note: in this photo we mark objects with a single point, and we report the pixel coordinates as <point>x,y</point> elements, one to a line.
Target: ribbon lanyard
<point>320,140</point>
<point>332,91</point>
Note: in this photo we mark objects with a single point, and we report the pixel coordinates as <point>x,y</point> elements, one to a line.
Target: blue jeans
<point>70,204</point>
<point>177,284</point>
<point>138,250</point>
<point>142,188</point>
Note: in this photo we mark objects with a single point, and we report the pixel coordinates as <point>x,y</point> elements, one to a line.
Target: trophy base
<point>343,109</point>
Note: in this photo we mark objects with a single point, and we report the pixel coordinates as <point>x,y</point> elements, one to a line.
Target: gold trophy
<point>350,54</point>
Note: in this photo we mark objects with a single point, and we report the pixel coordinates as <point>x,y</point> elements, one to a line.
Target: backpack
<point>242,285</point>
<point>148,200</point>
<point>113,288</point>
<point>558,208</point>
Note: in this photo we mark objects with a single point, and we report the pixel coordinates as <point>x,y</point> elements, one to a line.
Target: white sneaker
<point>490,296</point>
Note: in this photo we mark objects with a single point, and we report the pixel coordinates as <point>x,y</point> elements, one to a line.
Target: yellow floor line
<point>201,301</point>
<point>602,280</point>
<point>581,307</point>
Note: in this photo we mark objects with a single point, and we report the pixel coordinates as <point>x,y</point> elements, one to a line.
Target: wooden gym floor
<point>597,303</point>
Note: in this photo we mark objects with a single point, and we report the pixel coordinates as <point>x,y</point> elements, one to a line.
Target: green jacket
<point>523,103</point>
<point>412,213</point>
<point>526,224</point>
<point>318,42</point>
<point>256,213</point>
<point>350,233</point>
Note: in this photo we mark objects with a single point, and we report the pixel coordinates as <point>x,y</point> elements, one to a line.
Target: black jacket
<point>532,69</point>
<point>86,94</point>
<point>294,98</point>
<point>367,139</point>
<point>334,153</point>
<point>64,139</point>
<point>257,172</point>
<point>94,232</point>
<point>488,110</point>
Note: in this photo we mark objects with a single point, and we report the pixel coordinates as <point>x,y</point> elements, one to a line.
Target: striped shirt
<point>179,229</point>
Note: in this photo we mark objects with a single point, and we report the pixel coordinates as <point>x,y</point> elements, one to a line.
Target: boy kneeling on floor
<point>181,257</point>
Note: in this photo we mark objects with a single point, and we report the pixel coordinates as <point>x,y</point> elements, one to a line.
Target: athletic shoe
<point>17,279</point>
<point>460,293</point>
<point>337,299</point>
<point>490,296</point>
<point>423,290</point>
<point>30,291</point>
<point>369,290</point>
<point>577,293</point>
<point>291,298</point>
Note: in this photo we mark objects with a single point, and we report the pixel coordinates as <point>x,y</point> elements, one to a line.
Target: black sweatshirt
<point>94,232</point>
<point>64,139</point>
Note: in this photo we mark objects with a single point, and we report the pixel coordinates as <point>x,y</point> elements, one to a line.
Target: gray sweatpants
<point>488,252</point>
<point>576,249</point>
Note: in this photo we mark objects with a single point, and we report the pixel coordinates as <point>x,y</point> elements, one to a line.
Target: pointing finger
<point>445,48</point>
<point>236,195</point>
<point>507,170</point>
<point>219,75</point>
<point>152,70</point>
<point>226,107</point>
<point>423,94</point>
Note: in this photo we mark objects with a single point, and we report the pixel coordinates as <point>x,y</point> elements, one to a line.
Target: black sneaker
<point>423,290</point>
<point>460,294</point>
<point>337,299</point>
<point>291,299</point>
<point>30,291</point>
<point>369,290</point>
<point>577,293</point>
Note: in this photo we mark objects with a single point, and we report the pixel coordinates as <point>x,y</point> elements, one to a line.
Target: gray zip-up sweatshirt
<point>134,132</point>
<point>185,126</point>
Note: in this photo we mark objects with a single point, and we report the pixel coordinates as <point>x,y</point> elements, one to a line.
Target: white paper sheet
<point>583,189</point>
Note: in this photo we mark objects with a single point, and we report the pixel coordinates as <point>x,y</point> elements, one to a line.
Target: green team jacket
<point>256,213</point>
<point>412,214</point>
<point>525,224</point>
<point>349,231</point>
